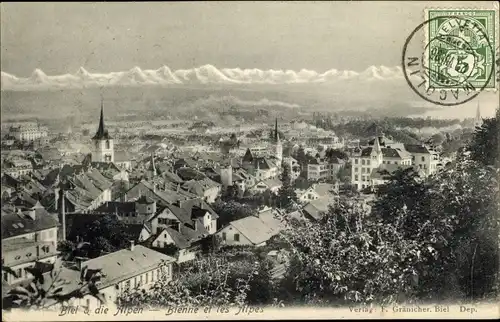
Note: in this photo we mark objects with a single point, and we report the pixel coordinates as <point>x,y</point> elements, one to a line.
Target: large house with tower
<point>371,164</point>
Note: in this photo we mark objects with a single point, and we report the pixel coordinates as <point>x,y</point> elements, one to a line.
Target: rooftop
<point>126,263</point>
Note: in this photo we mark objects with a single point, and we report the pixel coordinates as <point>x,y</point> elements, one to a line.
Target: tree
<point>106,234</point>
<point>484,147</point>
<point>230,193</point>
<point>346,257</point>
<point>425,239</point>
<point>231,210</point>
<point>438,138</point>
<point>336,154</point>
<point>301,157</point>
<point>286,194</point>
<point>47,288</point>
<point>218,280</point>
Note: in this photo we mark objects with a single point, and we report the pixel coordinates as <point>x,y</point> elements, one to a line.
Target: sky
<point>60,37</point>
<point>104,37</point>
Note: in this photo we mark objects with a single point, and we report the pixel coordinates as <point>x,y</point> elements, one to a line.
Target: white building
<point>17,167</point>
<point>369,163</point>
<point>28,132</point>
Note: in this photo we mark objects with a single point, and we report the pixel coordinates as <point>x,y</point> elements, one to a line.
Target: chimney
<point>56,199</point>
<point>63,215</point>
<point>32,214</point>
<point>79,261</point>
<point>132,245</point>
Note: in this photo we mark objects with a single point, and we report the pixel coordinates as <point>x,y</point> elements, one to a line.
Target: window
<point>87,302</point>
<point>6,277</point>
<point>140,280</point>
<point>51,233</point>
<point>368,162</point>
<point>355,177</point>
<point>423,158</point>
<point>356,169</point>
<point>19,272</point>
<point>355,161</point>
<point>363,161</point>
<point>223,236</point>
<point>147,278</point>
<point>107,144</point>
<point>236,237</point>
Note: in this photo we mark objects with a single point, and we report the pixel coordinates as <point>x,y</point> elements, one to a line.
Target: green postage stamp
<point>461,49</point>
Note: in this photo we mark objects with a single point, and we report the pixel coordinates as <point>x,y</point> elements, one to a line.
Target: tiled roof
<point>182,215</point>
<point>254,229</point>
<point>200,186</point>
<point>172,177</point>
<point>126,263</point>
<point>271,220</point>
<point>317,208</point>
<point>416,148</point>
<point>323,189</point>
<point>366,152</point>
<point>395,153</point>
<point>248,157</point>
<point>272,183</point>
<point>14,224</point>
<point>116,206</point>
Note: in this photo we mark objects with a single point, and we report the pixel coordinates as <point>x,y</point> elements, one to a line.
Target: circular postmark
<point>455,65</point>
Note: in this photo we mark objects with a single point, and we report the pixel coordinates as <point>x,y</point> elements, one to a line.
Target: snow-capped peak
<point>205,74</point>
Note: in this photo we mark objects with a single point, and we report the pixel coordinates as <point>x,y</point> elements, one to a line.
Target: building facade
<point>29,132</point>
<point>28,236</point>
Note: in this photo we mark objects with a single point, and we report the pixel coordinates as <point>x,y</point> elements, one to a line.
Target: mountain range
<point>206,74</point>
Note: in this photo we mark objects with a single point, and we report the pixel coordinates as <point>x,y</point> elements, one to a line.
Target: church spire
<point>478,121</point>
<point>101,133</point>
<point>376,145</point>
<point>153,167</point>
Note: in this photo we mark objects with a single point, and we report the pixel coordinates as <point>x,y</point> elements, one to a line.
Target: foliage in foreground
<point>231,279</point>
<point>425,240</point>
<point>48,288</point>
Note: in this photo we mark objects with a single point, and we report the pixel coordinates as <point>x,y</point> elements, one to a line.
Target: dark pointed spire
<point>102,133</point>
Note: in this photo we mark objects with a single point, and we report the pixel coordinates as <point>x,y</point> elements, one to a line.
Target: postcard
<point>243,160</point>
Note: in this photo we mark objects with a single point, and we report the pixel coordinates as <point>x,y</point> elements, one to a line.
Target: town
<point>140,212</point>
<point>249,160</point>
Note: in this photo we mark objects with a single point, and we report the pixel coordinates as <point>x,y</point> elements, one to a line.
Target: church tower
<point>103,150</point>
<point>478,122</point>
<point>278,148</point>
<point>376,154</point>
